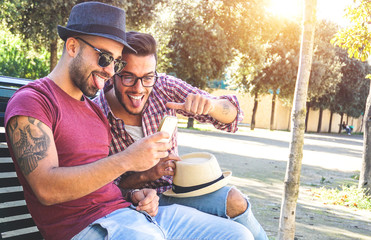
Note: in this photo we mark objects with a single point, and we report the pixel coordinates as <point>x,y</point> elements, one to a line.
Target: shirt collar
<point>103,100</point>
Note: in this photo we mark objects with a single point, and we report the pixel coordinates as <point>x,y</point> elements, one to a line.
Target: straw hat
<point>197,174</point>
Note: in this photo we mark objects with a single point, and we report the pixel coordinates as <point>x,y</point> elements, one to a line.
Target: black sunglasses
<point>105,58</point>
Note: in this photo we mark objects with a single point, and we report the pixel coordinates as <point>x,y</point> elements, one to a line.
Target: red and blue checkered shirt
<point>166,89</point>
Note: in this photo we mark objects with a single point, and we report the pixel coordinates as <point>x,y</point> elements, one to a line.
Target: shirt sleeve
<point>179,90</point>
<point>27,102</point>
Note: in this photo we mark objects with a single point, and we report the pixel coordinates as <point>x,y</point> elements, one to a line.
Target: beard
<point>77,71</point>
<point>119,98</point>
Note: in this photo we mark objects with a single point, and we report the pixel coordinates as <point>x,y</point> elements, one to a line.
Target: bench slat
<point>9,182</point>
<point>13,211</point>
<point>16,224</point>
<point>28,236</point>
<point>2,137</point>
<point>7,167</point>
<point>4,152</point>
<point>11,196</point>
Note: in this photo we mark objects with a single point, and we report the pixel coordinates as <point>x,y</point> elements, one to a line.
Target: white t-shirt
<point>136,132</point>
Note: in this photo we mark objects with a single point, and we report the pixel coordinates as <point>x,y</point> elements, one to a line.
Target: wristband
<point>132,194</point>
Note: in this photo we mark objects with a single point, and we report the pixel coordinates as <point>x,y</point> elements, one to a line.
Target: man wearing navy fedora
<point>59,142</point>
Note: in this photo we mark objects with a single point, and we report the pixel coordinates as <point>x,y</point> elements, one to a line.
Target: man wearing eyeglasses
<point>136,99</point>
<point>59,142</point>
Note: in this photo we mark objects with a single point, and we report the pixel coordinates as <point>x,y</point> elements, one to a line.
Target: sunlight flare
<point>286,8</point>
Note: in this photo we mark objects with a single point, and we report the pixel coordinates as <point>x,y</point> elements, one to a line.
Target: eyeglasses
<point>105,58</point>
<point>129,79</point>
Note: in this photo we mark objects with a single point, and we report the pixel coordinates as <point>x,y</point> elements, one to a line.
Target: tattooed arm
<point>35,151</point>
<point>223,111</point>
<point>220,109</point>
<point>30,142</point>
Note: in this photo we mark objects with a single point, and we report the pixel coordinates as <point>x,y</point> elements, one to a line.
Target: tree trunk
<point>190,122</point>
<point>252,126</point>
<point>319,126</point>
<point>289,123</point>
<point>365,174</point>
<point>330,124</point>
<point>341,121</point>
<point>292,178</point>
<point>274,97</point>
<point>53,54</point>
<point>307,116</point>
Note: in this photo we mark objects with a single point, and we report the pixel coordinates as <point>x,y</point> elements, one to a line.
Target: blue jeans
<point>171,222</point>
<point>215,203</point>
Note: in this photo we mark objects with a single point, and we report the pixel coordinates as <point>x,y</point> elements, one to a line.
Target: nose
<point>110,69</point>
<point>138,85</point>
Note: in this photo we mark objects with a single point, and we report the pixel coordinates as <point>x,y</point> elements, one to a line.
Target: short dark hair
<point>143,43</point>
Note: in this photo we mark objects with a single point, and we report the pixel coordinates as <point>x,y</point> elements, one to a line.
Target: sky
<point>328,9</point>
<point>333,10</point>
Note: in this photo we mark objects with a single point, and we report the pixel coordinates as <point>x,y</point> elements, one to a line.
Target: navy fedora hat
<point>97,19</point>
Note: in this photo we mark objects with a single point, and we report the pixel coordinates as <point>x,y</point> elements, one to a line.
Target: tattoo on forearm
<point>29,142</point>
<point>226,109</point>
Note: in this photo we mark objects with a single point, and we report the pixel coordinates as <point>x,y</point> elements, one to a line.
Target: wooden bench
<point>15,220</point>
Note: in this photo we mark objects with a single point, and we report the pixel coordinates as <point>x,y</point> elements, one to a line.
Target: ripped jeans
<point>215,203</point>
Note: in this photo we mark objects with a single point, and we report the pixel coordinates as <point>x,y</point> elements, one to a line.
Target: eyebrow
<point>100,49</point>
<point>151,72</point>
<point>109,52</point>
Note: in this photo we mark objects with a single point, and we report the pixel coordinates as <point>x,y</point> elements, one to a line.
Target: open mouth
<point>136,100</point>
<point>99,81</point>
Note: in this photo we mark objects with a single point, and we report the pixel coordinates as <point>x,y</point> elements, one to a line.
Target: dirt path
<point>258,160</point>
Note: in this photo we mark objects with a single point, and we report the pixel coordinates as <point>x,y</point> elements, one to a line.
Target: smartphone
<point>168,124</point>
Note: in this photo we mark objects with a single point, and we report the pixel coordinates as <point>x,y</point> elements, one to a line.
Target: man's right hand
<point>147,152</point>
<point>146,200</point>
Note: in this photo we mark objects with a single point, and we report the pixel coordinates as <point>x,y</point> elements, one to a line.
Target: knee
<point>236,203</point>
<point>242,234</point>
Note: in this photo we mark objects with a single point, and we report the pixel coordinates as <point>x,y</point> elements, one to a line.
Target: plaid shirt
<point>166,89</point>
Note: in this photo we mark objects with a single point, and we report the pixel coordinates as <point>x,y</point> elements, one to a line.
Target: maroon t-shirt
<point>81,136</point>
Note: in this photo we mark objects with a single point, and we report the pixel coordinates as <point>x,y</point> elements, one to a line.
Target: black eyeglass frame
<point>136,79</point>
<point>119,65</point>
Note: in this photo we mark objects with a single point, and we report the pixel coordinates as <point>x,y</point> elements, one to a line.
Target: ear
<point>72,46</point>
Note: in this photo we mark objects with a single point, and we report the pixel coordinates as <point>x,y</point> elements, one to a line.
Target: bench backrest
<point>15,221</point>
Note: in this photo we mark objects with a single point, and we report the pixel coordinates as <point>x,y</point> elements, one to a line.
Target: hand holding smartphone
<point>168,124</point>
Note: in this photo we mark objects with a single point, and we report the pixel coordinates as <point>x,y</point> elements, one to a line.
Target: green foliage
<point>246,24</point>
<point>36,19</point>
<point>195,48</point>
<point>349,196</point>
<point>352,91</point>
<point>248,27</point>
<point>241,73</point>
<point>326,68</point>
<point>281,64</point>
<point>356,37</point>
<point>17,61</point>
<point>139,14</point>
<point>330,71</point>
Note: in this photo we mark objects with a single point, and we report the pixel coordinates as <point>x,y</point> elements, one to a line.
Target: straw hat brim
<point>212,188</point>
